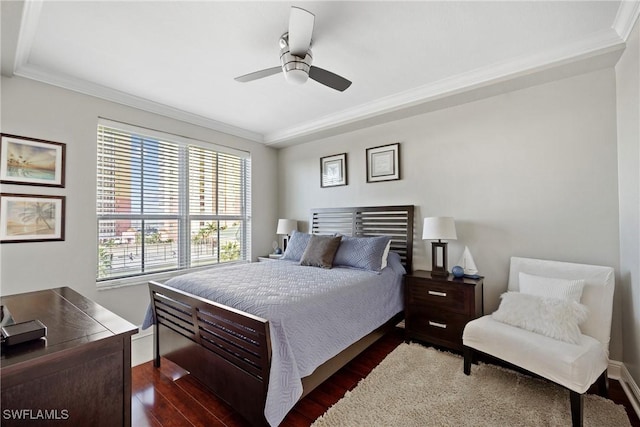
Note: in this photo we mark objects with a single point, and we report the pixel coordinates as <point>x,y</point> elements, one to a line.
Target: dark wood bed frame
<point>230,350</point>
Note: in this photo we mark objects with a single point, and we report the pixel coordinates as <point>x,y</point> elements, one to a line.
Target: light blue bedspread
<point>313,313</point>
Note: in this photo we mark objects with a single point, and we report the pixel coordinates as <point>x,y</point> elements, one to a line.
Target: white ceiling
<point>180,58</point>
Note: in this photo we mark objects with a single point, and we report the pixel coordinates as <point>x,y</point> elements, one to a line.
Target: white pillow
<point>553,317</point>
<point>551,287</point>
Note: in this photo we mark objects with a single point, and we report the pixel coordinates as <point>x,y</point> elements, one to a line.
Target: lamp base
<point>439,272</point>
<point>439,258</point>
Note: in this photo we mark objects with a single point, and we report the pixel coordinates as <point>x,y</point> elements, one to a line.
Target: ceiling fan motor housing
<point>295,68</point>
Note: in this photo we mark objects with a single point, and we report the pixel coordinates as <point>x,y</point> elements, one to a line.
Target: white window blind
<point>167,203</point>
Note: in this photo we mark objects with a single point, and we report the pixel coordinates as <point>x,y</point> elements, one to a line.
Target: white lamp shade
<point>439,228</point>
<point>286,226</point>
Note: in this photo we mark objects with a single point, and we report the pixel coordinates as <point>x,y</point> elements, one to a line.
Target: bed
<point>261,355</point>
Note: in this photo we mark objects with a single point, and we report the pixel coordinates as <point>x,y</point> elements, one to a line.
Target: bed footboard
<point>227,349</point>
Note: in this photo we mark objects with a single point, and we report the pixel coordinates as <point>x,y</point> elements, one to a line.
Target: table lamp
<point>439,228</point>
<point>285,227</point>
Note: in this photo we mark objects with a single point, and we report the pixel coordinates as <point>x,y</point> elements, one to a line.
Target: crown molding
<point>22,68</point>
<point>627,16</point>
<point>596,45</point>
<point>102,92</point>
<point>28,28</point>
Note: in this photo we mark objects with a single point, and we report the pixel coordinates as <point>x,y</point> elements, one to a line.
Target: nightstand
<point>437,308</point>
<point>270,257</point>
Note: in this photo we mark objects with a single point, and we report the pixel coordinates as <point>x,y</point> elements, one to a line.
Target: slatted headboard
<point>394,221</point>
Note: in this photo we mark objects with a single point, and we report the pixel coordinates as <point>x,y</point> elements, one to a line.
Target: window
<point>168,203</point>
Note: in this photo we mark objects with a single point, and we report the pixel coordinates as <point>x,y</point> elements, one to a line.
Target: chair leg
<point>576,408</point>
<point>603,384</point>
<point>468,358</point>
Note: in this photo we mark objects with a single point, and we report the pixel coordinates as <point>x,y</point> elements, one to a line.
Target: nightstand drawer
<point>438,296</point>
<point>439,328</point>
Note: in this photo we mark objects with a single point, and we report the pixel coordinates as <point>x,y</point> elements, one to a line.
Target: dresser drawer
<point>438,296</point>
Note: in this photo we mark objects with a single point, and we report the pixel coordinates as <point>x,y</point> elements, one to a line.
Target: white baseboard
<point>142,347</point>
<point>618,371</point>
<point>615,370</point>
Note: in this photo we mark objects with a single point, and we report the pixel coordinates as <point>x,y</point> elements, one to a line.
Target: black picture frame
<point>383,163</point>
<point>333,170</point>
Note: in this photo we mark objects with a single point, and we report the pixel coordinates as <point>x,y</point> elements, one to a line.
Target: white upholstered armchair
<point>542,298</point>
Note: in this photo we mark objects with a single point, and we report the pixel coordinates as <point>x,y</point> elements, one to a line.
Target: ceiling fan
<point>295,56</point>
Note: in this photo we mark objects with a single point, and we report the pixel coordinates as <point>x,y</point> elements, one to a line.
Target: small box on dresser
<point>438,307</point>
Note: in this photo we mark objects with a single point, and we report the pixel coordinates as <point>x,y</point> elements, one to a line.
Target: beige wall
<point>42,111</point>
<point>529,173</point>
<point>628,114</point>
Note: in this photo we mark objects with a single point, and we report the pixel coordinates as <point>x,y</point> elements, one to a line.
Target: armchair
<point>575,366</point>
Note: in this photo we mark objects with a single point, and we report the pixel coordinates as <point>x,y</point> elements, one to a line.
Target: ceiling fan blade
<point>300,31</point>
<point>328,78</point>
<point>258,74</point>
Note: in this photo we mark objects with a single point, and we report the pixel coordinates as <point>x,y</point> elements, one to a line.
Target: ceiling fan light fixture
<point>296,76</point>
<point>295,68</point>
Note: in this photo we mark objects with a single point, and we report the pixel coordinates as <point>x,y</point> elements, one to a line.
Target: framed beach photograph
<point>383,163</point>
<point>30,161</point>
<point>333,170</point>
<point>31,218</point>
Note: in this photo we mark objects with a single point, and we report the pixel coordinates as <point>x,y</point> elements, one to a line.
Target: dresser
<point>81,372</point>
<point>438,307</point>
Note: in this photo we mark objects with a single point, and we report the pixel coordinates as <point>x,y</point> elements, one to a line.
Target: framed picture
<point>333,170</point>
<point>383,163</point>
<point>31,218</point>
<point>31,161</point>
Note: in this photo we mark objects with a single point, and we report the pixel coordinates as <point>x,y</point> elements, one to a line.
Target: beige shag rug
<point>420,386</point>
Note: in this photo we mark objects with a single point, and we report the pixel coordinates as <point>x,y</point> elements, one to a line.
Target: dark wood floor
<point>171,397</point>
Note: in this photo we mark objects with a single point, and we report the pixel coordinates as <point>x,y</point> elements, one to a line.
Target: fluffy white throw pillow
<point>552,317</point>
<point>551,287</point>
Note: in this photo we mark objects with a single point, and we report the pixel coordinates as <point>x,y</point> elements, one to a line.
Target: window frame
<point>183,217</point>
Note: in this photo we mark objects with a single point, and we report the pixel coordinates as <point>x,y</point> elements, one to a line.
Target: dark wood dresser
<point>437,308</point>
<point>79,375</point>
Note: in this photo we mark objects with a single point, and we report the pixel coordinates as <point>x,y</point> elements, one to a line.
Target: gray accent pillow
<point>320,251</point>
<point>296,246</point>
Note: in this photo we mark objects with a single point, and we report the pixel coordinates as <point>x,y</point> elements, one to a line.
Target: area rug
<point>421,386</point>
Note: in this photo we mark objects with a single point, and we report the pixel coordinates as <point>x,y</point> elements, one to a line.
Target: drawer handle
<point>438,294</point>
<point>438,325</point>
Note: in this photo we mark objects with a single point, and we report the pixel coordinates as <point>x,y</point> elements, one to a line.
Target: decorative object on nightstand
<point>285,227</point>
<point>439,228</point>
<point>457,271</point>
<point>437,308</point>
<point>468,265</point>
